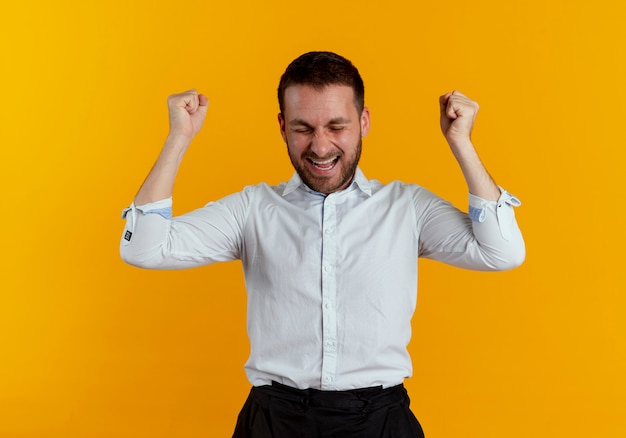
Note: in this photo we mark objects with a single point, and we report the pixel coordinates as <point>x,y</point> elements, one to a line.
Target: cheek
<point>296,143</point>
<point>347,141</point>
<point>294,146</point>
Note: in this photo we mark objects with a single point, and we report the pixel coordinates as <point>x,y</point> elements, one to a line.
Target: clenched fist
<point>186,112</point>
<point>458,113</point>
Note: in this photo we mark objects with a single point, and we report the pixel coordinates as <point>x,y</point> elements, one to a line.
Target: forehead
<point>331,100</point>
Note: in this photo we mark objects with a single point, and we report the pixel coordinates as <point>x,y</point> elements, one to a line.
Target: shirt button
<point>328,379</point>
<point>327,268</point>
<point>327,231</point>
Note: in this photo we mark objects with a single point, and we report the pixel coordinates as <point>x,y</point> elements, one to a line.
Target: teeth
<point>321,163</point>
<point>325,165</point>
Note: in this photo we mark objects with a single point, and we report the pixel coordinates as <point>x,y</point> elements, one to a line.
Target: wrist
<point>176,144</point>
<point>460,144</point>
<point>463,150</point>
<point>179,139</point>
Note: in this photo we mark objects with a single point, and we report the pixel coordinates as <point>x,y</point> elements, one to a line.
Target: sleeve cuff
<point>162,207</point>
<point>478,208</point>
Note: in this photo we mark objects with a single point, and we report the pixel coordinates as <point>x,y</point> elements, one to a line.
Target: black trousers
<point>279,411</point>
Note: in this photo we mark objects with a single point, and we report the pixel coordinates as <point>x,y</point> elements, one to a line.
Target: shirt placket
<point>329,294</point>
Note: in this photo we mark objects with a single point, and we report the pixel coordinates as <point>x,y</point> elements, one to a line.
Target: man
<point>330,257</point>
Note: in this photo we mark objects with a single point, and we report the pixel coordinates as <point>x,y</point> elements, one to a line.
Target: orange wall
<point>93,348</point>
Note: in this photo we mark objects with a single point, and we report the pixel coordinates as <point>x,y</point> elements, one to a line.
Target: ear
<point>365,122</point>
<point>281,124</point>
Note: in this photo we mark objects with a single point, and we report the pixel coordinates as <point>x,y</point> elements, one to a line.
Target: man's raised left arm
<point>491,240</point>
<point>458,114</point>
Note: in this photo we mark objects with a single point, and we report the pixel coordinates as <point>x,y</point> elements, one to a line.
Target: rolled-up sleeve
<point>145,233</point>
<point>153,239</point>
<point>487,238</point>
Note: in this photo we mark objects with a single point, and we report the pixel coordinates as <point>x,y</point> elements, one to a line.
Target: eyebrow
<point>335,121</point>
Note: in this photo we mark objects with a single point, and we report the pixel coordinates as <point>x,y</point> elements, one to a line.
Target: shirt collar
<point>359,180</point>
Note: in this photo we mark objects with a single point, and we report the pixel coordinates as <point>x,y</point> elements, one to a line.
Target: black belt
<point>365,399</point>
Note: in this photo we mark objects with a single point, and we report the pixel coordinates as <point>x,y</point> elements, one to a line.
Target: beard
<point>327,184</point>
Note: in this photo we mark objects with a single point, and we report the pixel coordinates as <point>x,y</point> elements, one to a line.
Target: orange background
<point>91,347</point>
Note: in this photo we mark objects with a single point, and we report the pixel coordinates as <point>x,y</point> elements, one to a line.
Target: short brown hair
<point>319,69</point>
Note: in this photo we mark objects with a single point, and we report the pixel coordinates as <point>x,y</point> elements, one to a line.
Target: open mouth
<point>325,164</point>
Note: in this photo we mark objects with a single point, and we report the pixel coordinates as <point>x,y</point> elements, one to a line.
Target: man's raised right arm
<point>187,112</point>
<point>143,237</point>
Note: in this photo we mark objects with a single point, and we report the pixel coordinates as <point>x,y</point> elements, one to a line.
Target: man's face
<point>323,131</point>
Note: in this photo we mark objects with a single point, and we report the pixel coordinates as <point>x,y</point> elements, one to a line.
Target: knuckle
<point>173,99</point>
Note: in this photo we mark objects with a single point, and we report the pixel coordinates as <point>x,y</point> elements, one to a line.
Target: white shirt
<point>331,280</point>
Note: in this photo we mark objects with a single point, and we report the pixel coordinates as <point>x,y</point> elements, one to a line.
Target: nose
<point>321,144</point>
